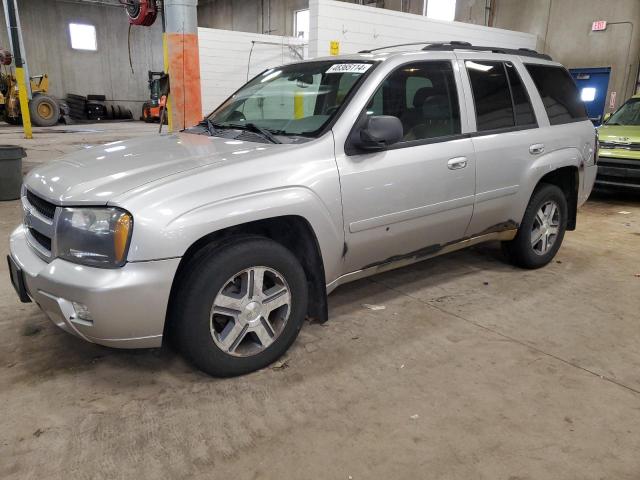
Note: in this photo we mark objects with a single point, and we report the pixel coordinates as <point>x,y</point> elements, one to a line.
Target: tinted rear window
<point>521,102</point>
<point>491,95</point>
<point>559,94</point>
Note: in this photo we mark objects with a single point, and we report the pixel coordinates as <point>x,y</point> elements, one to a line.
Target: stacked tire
<point>77,106</point>
<point>94,108</point>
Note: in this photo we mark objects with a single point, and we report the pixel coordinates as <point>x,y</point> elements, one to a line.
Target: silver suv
<point>225,236</point>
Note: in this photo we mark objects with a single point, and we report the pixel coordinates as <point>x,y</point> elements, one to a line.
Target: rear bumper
<point>618,172</point>
<point>128,305</point>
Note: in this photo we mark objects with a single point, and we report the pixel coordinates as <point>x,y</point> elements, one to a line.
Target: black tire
<point>76,104</point>
<point>73,96</point>
<point>12,120</point>
<point>206,274</point>
<point>520,251</point>
<point>44,111</point>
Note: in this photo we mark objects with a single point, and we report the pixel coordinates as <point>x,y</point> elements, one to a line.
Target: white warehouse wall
<point>224,54</point>
<point>358,27</point>
<point>225,65</point>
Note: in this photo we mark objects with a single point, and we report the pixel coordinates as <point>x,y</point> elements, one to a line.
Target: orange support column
<point>184,62</point>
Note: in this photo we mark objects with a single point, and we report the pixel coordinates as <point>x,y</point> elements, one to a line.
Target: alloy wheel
<point>250,311</point>
<point>546,226</point>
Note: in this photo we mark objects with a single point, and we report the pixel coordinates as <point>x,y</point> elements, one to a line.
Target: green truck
<point>619,164</point>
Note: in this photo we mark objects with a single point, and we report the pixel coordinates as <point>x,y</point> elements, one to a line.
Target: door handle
<point>457,163</point>
<point>536,149</point>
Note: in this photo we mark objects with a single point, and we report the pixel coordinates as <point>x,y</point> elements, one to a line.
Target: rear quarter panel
<point>565,145</point>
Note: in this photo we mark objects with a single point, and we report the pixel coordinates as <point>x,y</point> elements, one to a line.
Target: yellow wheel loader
<point>43,108</point>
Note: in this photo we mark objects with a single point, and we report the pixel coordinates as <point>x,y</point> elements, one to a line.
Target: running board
<point>420,255</point>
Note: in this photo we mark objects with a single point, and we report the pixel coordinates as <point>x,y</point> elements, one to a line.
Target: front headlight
<point>97,237</point>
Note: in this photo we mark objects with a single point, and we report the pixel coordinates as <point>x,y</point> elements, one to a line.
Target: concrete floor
<point>474,370</point>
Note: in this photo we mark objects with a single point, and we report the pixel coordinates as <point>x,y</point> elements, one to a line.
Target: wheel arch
<point>567,178</point>
<point>293,232</point>
<point>563,168</point>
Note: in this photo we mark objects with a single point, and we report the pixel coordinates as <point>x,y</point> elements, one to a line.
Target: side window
<point>375,106</point>
<point>521,101</point>
<point>413,85</point>
<point>559,93</point>
<point>490,94</point>
<point>423,96</point>
<point>346,82</point>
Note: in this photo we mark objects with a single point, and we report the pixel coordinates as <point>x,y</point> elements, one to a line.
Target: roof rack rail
<point>394,46</point>
<point>450,46</point>
<point>459,45</point>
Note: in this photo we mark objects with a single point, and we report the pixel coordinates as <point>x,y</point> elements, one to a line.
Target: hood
<point>619,141</point>
<point>97,174</point>
<point>619,133</point>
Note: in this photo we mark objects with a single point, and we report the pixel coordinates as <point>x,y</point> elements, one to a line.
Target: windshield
<point>629,114</point>
<point>298,99</point>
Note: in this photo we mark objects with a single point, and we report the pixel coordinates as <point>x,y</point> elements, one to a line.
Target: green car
<point>619,164</point>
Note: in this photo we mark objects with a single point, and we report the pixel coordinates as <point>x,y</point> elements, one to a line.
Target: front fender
<point>178,234</point>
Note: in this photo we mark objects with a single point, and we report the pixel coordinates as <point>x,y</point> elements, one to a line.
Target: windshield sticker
<point>349,68</point>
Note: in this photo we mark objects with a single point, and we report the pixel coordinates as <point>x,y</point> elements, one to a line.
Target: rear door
<point>505,136</point>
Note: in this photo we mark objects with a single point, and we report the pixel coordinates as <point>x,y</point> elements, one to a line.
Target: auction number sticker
<point>349,68</point>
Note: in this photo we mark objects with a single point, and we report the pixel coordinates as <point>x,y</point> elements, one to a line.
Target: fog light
<point>82,312</point>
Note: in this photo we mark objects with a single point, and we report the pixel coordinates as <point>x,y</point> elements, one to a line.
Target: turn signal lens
<point>121,236</point>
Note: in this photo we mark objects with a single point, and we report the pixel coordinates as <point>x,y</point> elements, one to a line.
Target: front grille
<point>43,240</point>
<point>618,171</point>
<point>633,165</point>
<point>632,146</point>
<point>44,208</point>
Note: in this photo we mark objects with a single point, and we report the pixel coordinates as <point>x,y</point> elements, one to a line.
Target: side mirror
<point>606,117</point>
<point>378,133</point>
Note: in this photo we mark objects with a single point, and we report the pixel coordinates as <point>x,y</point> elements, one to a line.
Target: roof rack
<point>450,46</point>
<point>458,45</point>
<point>394,46</point>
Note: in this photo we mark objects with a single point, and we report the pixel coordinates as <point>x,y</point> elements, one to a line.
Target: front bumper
<point>128,305</point>
<point>618,172</point>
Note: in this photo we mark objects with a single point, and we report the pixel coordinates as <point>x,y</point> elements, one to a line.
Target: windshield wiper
<point>252,127</point>
<point>210,125</point>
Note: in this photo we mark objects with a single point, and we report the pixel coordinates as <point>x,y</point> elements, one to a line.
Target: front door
<point>417,195</point>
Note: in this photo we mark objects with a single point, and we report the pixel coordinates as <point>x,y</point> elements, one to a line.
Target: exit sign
<point>599,25</point>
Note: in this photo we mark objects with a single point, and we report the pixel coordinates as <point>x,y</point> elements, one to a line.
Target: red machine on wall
<point>141,12</point>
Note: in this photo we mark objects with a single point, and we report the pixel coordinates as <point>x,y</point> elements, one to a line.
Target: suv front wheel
<point>240,306</point>
<point>542,229</point>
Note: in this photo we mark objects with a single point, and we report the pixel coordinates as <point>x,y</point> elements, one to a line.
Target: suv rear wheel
<point>240,306</point>
<point>542,229</point>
